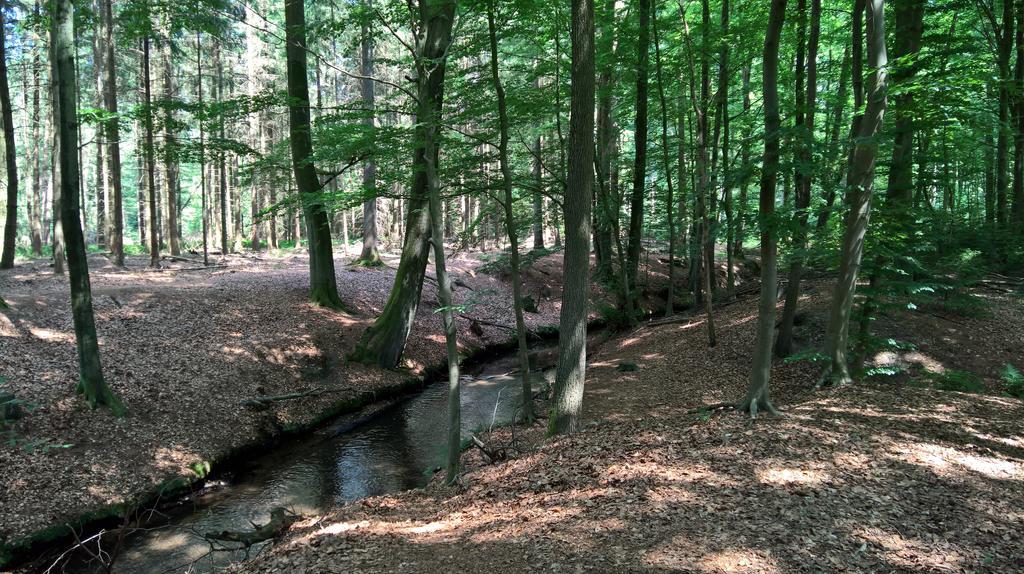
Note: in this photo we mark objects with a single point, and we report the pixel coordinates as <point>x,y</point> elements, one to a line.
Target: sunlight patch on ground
<point>174,458</point>
<point>51,336</point>
<point>789,476</point>
<point>943,460</point>
<point>7,328</point>
<point>910,554</point>
<point>738,560</point>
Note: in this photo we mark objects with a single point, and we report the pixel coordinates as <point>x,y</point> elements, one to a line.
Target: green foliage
<point>501,264</point>
<point>1014,380</point>
<point>953,380</point>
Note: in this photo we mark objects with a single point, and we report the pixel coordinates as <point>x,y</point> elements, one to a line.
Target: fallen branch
<point>179,258</point>
<point>280,520</point>
<point>493,455</point>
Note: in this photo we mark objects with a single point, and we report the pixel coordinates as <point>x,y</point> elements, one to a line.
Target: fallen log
<point>280,520</point>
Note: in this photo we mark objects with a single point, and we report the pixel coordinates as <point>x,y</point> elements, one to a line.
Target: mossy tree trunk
<point>369,255</point>
<point>91,383</point>
<point>384,342</point>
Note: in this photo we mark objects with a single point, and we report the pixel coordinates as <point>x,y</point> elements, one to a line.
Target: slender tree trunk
<point>1017,208</point>
<point>10,153</point>
<point>757,398</point>
<point>667,164</point>
<point>833,148</point>
<point>1004,50</point>
<point>510,224</point>
<point>323,289</point>
<point>102,181</point>
<point>723,96</point>
<point>154,225</point>
<point>572,356</point>
<point>607,205</point>
<point>369,255</point>
<point>804,177</point>
<point>35,200</point>
<point>91,383</point>
<point>170,162</point>
<point>636,209</point>
<point>859,182</point>
<point>203,194</point>
<point>740,234</point>
<point>909,29</point>
<point>538,198</point>
<point>56,186</point>
<point>384,342</point>
<point>222,166</point>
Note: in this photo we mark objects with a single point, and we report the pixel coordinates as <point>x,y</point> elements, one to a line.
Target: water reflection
<point>397,450</point>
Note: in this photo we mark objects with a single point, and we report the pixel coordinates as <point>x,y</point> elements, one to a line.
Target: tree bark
<point>1004,49</point>
<point>667,164</point>
<point>384,342</point>
<point>804,177</point>
<point>369,255</point>
<point>91,383</point>
<point>909,29</point>
<point>859,182</point>
<point>572,344</point>
<point>154,225</point>
<point>323,288</point>
<point>170,162</point>
<point>757,398</point>
<point>636,207</point>
<point>10,153</point>
<point>508,205</point>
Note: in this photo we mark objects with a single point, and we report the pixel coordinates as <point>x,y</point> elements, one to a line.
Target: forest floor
<point>184,346</point>
<point>895,476</point>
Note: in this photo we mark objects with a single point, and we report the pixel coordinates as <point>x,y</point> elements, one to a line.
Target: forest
<point>512,285</point>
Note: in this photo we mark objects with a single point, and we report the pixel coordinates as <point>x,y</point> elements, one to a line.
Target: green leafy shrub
<point>962,381</point>
<point>1014,380</point>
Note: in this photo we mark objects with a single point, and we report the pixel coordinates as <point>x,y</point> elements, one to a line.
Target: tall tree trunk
<point>1004,49</point>
<point>102,181</point>
<point>1017,208</point>
<point>203,194</point>
<point>572,344</point>
<point>667,165</point>
<point>510,223</point>
<point>859,183</point>
<point>55,185</point>
<point>170,161</point>
<point>740,234</point>
<point>607,206</point>
<point>323,288</point>
<point>636,207</point>
<point>909,29</point>
<point>154,224</point>
<point>804,177</point>
<point>91,383</point>
<point>222,166</point>
<point>369,255</point>
<point>834,157</point>
<point>757,398</point>
<point>35,200</point>
<point>384,341</point>
<point>727,184</point>
<point>10,153</point>
<point>538,198</point>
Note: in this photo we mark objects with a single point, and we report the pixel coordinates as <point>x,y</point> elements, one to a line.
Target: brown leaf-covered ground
<point>868,478</point>
<point>183,347</point>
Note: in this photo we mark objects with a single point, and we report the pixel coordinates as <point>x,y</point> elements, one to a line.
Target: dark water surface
<point>398,449</point>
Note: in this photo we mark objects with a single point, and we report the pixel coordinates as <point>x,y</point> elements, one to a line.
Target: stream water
<point>397,449</point>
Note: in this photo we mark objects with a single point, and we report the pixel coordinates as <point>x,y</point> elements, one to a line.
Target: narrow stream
<point>398,449</point>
